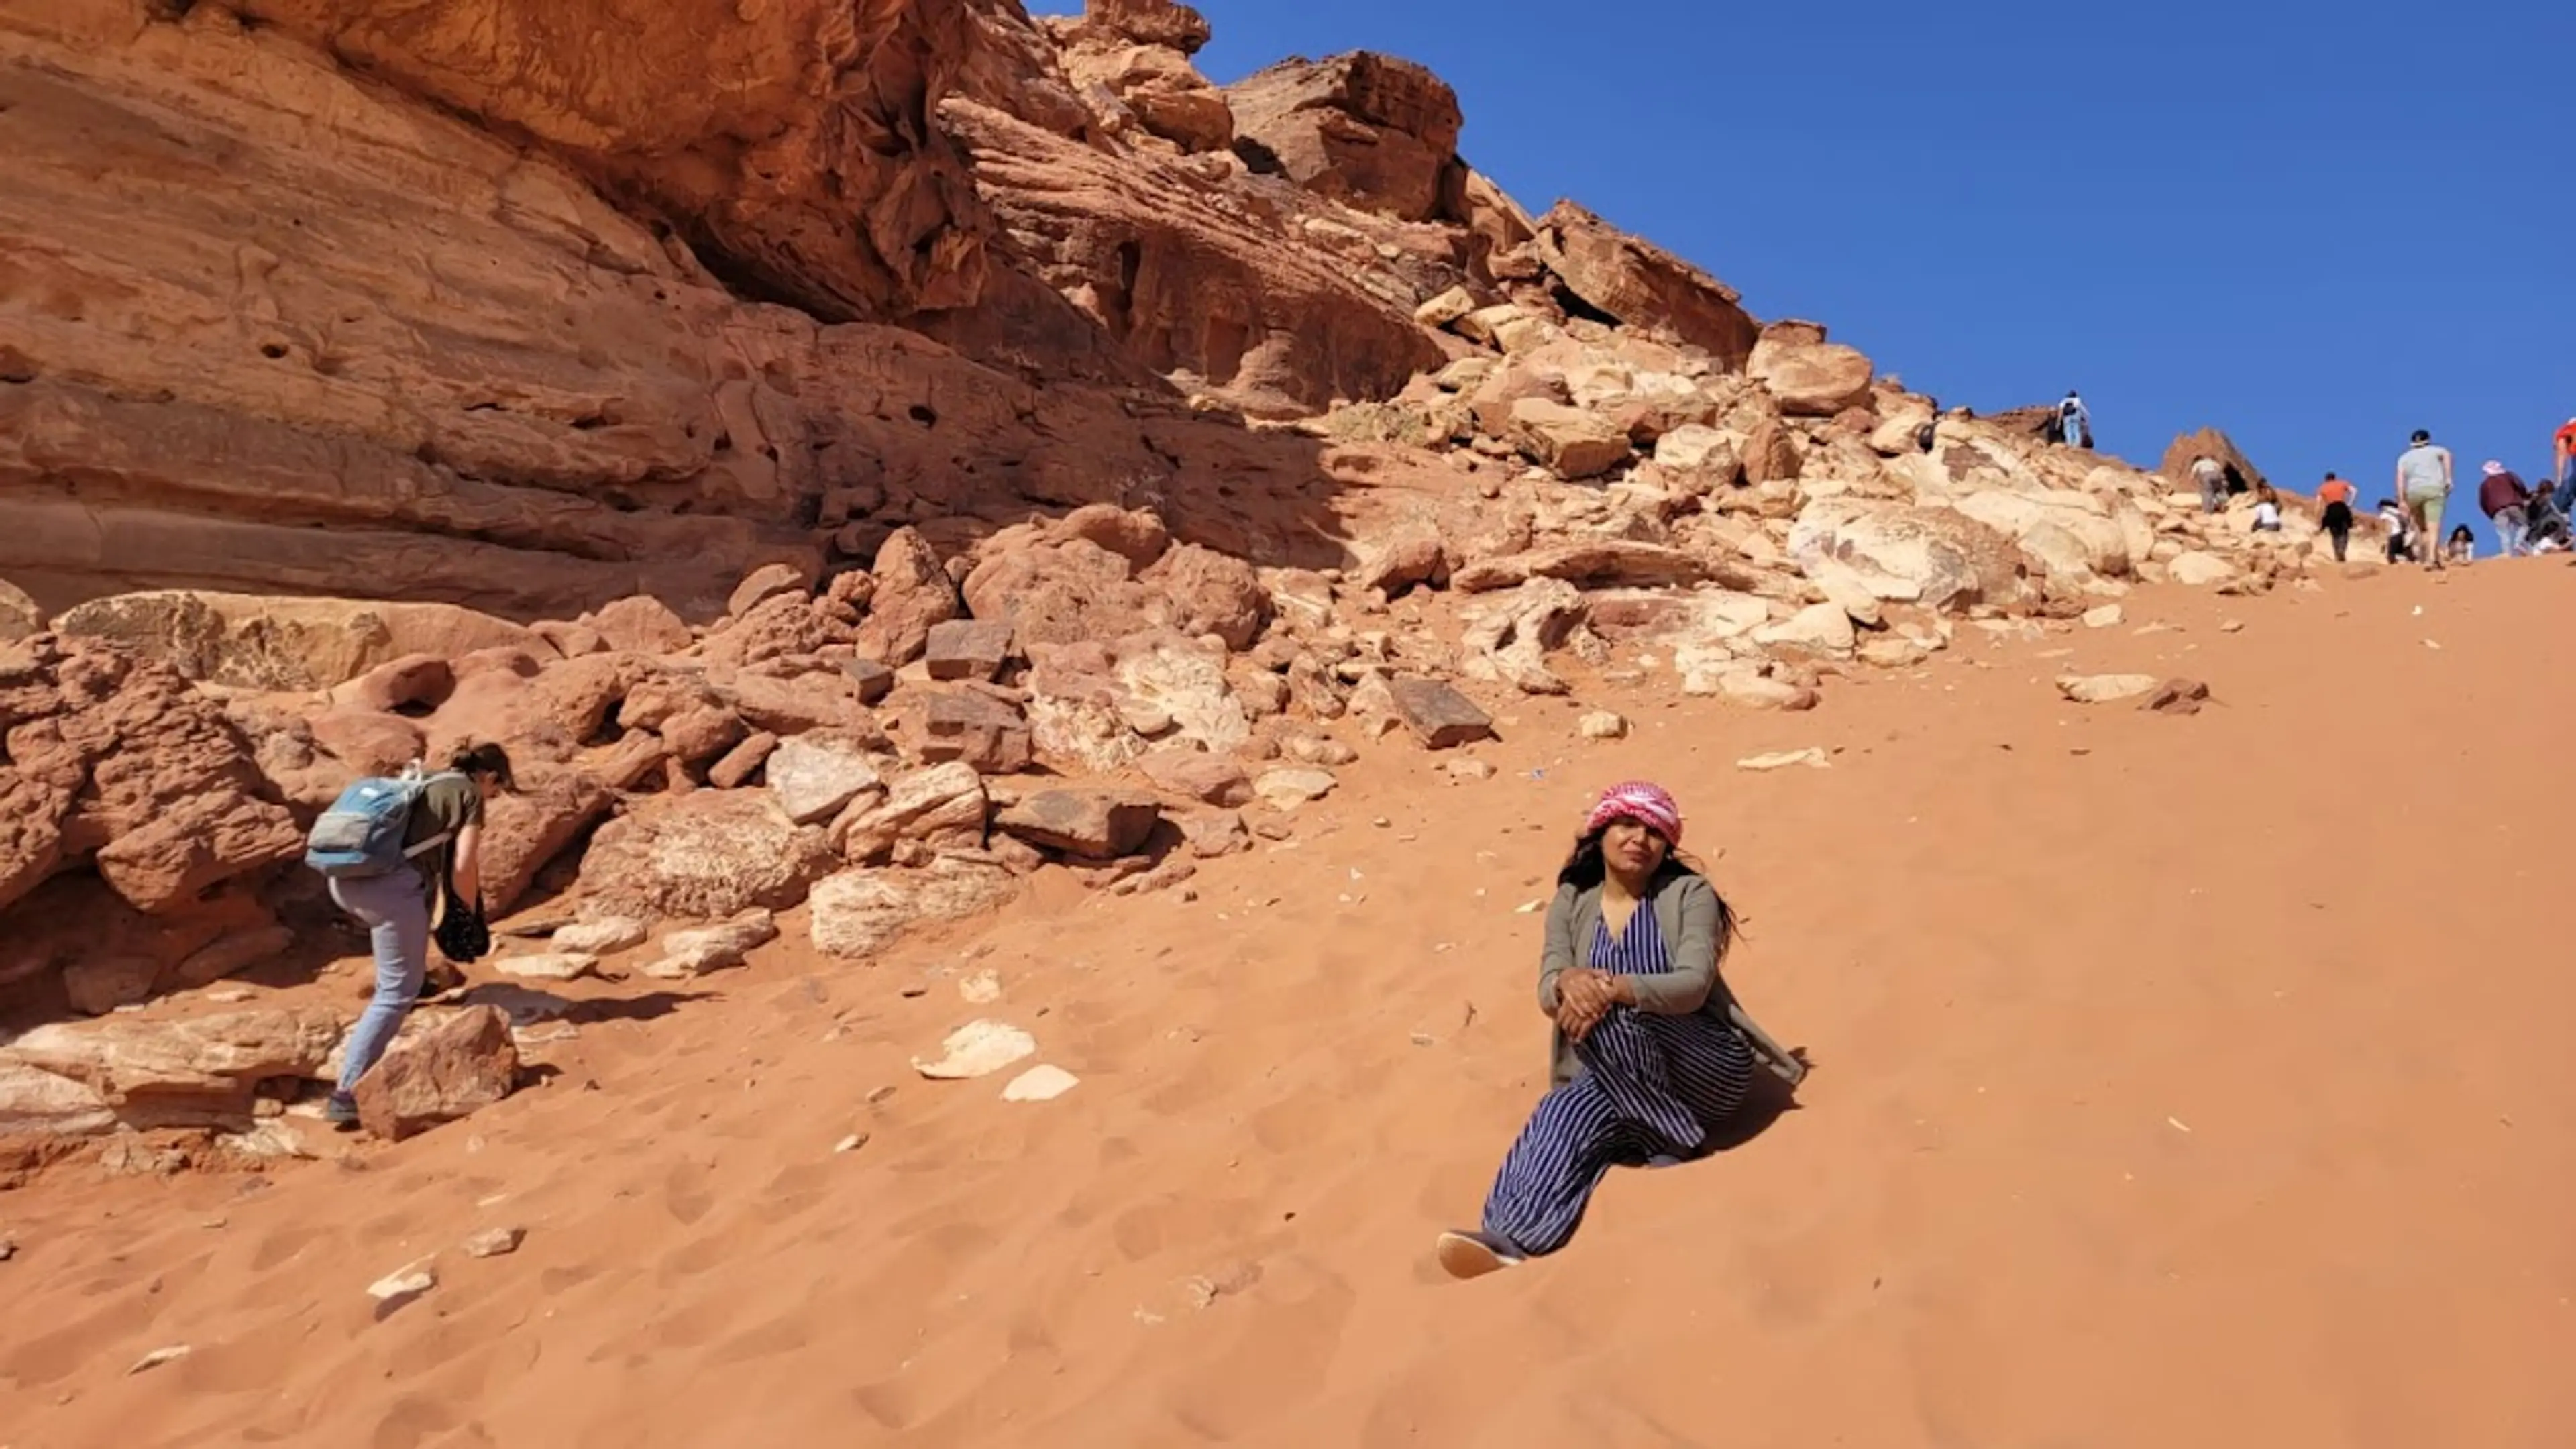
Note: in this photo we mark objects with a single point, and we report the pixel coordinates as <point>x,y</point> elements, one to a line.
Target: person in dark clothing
<point>2336,495</point>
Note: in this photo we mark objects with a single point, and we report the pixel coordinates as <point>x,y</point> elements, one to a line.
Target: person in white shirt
<point>2267,511</point>
<point>2074,422</point>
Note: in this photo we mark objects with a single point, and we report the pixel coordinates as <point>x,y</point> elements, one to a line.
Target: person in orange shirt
<point>2564,455</point>
<point>2337,495</point>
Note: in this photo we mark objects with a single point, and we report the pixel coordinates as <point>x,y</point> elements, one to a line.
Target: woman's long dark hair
<point>1586,868</point>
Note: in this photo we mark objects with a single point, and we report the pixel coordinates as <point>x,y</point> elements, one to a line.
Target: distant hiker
<point>393,849</point>
<point>2401,533</point>
<point>2267,510</point>
<point>2562,468</point>
<point>2074,422</point>
<point>2336,495</point>
<point>2507,504</point>
<point>1651,1054</point>
<point>2423,485</point>
<point>2212,479</point>
<point>2462,547</point>
<point>1927,435</point>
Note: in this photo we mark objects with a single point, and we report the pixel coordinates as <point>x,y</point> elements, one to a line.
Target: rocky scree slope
<point>903,448</point>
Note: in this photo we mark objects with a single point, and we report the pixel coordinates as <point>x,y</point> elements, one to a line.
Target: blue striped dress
<point>1652,1087</point>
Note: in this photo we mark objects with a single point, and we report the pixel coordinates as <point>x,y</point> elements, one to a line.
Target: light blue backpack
<point>361,835</point>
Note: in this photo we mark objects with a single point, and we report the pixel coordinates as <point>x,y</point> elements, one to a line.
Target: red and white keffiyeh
<point>1648,804</point>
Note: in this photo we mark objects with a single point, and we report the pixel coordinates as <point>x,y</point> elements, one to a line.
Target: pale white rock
<point>814,777</point>
<point>1813,758</point>
<point>1818,628</point>
<point>2196,569</point>
<point>977,1049</point>
<point>1286,789</point>
<point>1602,724</point>
<point>159,1356</point>
<point>980,988</point>
<point>602,937</point>
<point>1041,1083</point>
<point>2104,688</point>
<point>549,966</point>
<point>494,1242</point>
<point>403,1284</point>
<point>713,948</point>
<point>2105,616</point>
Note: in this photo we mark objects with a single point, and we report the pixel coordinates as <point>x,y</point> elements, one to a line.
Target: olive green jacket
<point>1685,908</point>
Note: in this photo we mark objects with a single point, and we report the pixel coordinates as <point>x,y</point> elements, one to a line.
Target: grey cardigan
<point>1685,908</point>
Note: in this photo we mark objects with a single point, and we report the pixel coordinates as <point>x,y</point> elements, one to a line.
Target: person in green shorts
<point>2423,486</point>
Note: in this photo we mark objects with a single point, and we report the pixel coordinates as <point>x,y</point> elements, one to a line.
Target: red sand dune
<point>2179,1081</point>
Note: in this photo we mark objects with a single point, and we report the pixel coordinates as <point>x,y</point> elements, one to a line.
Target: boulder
<point>1811,380</point>
<point>1214,833</point>
<point>990,735</point>
<point>525,831</point>
<point>912,592</point>
<point>2197,569</point>
<point>1288,788</point>
<point>1508,640</point>
<point>548,966</point>
<point>1817,629</point>
<point>1937,557</point>
<point>642,624</point>
<point>1645,286</point>
<point>707,854</point>
<point>1198,775</point>
<point>813,777</point>
<point>1369,130</point>
<point>858,913</point>
<point>120,764</point>
<point>36,1102</point>
<point>1438,715</point>
<point>736,766</point>
<point>720,947</point>
<point>769,581</point>
<point>196,1071</point>
<point>444,1066</point>
<point>19,616</point>
<point>367,742</point>
<point>1206,592</point>
<point>1590,563</point>
<point>256,641</point>
<point>968,648</point>
<point>2105,688</point>
<point>1567,440</point>
<point>942,805</point>
<point>1095,824</point>
<point>602,935</point>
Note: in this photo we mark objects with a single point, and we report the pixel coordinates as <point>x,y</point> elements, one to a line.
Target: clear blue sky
<point>2317,225</point>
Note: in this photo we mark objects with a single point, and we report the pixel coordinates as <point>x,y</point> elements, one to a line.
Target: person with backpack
<point>1652,1054</point>
<point>393,849</point>
<point>2074,422</point>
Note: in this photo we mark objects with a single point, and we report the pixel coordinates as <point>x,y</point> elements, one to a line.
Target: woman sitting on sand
<point>1651,1054</point>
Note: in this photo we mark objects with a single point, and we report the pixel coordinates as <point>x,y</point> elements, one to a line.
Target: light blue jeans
<point>2512,528</point>
<point>395,910</point>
